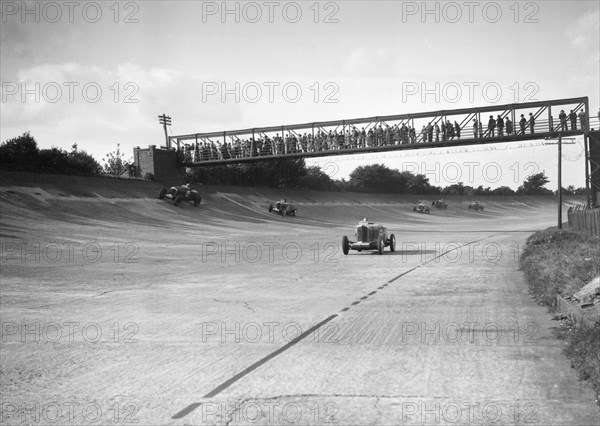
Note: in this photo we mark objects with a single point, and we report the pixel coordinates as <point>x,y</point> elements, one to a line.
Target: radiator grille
<point>363,234</point>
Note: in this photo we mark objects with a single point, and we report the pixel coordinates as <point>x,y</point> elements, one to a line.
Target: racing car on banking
<point>440,204</point>
<point>369,236</point>
<point>421,208</point>
<point>177,194</point>
<point>283,208</point>
<point>476,205</point>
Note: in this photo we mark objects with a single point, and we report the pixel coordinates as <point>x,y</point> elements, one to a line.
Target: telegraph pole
<point>165,120</point>
<point>560,180</point>
<point>559,143</point>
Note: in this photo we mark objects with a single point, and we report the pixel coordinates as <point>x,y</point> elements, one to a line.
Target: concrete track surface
<point>119,308</point>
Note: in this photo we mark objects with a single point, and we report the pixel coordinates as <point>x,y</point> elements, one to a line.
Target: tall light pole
<point>165,120</point>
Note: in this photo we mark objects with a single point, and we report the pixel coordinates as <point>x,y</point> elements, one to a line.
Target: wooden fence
<point>584,219</point>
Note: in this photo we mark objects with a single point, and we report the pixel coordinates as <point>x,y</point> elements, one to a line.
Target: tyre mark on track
<point>187,410</point>
<point>253,367</point>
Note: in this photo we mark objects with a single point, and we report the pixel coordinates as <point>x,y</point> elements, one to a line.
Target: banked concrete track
<point>119,307</point>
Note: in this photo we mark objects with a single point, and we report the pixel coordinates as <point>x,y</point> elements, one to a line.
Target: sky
<point>99,73</point>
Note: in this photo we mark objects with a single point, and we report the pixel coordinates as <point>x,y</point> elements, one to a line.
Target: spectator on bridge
<point>475,127</point>
<point>457,129</point>
<point>397,136</point>
<point>500,125</point>
<point>449,129</point>
<point>509,126</point>
<point>582,119</point>
<point>412,133</point>
<point>573,119</point>
<point>404,134</point>
<point>523,124</point>
<point>531,123</point>
<point>491,127</point>
<point>387,135</point>
<point>424,134</point>
<point>444,131</point>
<point>429,132</point>
<point>437,132</point>
<point>563,120</point>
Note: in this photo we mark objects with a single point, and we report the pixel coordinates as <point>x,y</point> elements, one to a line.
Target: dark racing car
<point>177,194</point>
<point>476,205</point>
<point>283,208</point>
<point>440,204</point>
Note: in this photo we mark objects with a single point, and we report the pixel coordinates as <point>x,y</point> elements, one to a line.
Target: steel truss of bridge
<point>446,128</point>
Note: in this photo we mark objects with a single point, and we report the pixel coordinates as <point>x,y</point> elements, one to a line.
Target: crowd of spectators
<point>380,135</point>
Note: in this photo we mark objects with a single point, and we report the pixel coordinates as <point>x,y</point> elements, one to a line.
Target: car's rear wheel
<point>162,193</point>
<point>345,245</point>
<point>414,209</point>
<point>392,243</point>
<point>380,245</point>
<point>270,208</point>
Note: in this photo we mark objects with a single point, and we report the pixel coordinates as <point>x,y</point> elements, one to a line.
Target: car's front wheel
<point>178,200</point>
<point>162,193</point>
<point>345,245</point>
<point>392,243</point>
<point>270,208</point>
<point>380,244</point>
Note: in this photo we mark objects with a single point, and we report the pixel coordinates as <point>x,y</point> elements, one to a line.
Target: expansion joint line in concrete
<point>187,410</point>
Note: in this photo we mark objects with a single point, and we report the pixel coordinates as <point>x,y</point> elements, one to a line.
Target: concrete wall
<point>162,163</point>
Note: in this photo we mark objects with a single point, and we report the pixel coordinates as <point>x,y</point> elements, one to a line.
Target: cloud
<point>363,62</point>
<point>583,35</point>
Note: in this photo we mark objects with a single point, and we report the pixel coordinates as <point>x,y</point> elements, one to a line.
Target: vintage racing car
<point>421,208</point>
<point>177,194</point>
<point>476,205</point>
<point>283,208</point>
<point>440,204</point>
<point>369,236</point>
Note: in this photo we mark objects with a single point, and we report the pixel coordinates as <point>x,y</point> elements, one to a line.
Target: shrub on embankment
<point>561,262</point>
<point>22,154</point>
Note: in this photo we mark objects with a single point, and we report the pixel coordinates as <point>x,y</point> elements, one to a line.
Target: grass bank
<point>561,262</point>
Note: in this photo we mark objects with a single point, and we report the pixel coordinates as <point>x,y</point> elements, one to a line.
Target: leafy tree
<point>534,185</point>
<point>114,162</point>
<point>458,189</point>
<point>503,190</point>
<point>20,153</point>
<point>80,162</point>
<point>419,184</point>
<point>316,178</point>
<point>379,178</point>
<point>480,190</point>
